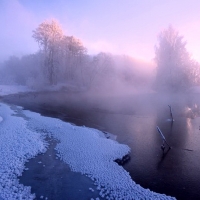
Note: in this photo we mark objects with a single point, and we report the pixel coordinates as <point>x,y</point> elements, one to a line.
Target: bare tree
<point>73,53</point>
<point>48,35</point>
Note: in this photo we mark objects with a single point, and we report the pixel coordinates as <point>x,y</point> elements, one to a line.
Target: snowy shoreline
<point>84,149</point>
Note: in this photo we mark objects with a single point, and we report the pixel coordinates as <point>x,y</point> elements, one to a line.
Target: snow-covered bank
<point>85,150</point>
<point>13,89</point>
<point>17,145</point>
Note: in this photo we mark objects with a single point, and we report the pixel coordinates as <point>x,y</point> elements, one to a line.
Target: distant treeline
<point>63,59</point>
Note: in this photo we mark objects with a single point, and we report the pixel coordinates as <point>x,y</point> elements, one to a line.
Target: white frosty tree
<point>48,35</point>
<point>174,64</point>
<point>72,55</point>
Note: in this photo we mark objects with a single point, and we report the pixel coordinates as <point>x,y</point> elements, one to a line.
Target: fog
<point>71,65</point>
<point>116,52</point>
<point>64,60</point>
<point>102,72</point>
<point>117,67</point>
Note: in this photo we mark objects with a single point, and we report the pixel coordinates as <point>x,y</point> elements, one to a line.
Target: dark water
<point>133,118</point>
<point>52,179</point>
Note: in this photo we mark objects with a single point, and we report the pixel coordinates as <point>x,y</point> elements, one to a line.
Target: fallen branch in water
<point>188,149</point>
<point>164,140</point>
<point>171,113</point>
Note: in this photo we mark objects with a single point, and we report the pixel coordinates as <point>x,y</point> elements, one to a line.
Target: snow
<point>17,145</point>
<point>84,149</point>
<point>12,89</point>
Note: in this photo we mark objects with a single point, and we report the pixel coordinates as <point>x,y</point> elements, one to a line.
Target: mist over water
<point>133,118</point>
<point>119,94</point>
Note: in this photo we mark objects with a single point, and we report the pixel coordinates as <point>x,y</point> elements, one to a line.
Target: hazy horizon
<point>128,27</point>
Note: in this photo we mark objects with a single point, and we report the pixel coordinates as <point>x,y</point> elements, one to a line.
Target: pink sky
<point>123,27</point>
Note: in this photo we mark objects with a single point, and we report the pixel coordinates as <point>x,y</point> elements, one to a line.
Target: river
<point>133,118</point>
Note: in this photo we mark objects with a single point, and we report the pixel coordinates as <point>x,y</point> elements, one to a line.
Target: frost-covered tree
<point>101,69</point>
<point>72,55</point>
<point>22,71</point>
<point>194,73</point>
<point>49,35</point>
<point>174,63</point>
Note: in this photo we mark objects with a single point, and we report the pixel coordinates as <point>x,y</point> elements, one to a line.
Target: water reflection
<point>192,111</point>
<point>134,119</point>
<point>162,158</point>
<point>172,171</point>
<point>189,125</point>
